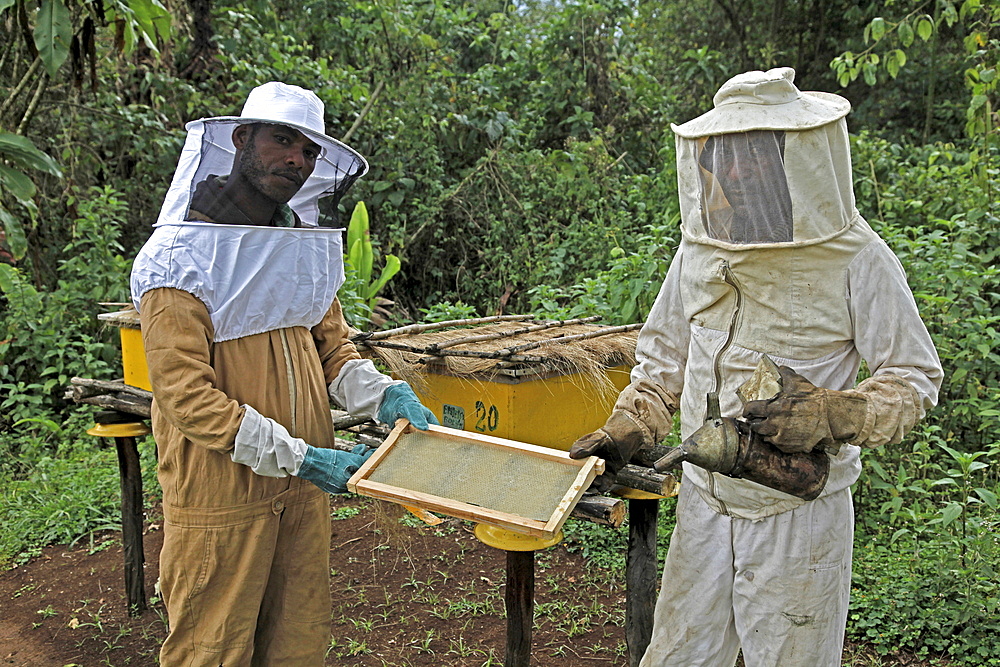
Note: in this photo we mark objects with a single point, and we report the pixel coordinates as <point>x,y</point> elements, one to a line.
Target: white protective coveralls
<point>775,260</point>
<point>246,344</point>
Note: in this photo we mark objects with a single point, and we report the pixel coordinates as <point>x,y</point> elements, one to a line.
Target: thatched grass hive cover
<point>519,345</point>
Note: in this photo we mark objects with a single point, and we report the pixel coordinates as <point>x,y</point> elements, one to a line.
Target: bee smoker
<point>728,446</point>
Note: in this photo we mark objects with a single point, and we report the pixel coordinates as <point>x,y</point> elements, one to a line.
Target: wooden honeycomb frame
<point>571,478</point>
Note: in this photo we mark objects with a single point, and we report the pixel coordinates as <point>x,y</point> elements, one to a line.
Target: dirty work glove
<point>616,442</point>
<point>399,401</point>
<point>803,416</point>
<point>642,417</point>
<point>329,469</point>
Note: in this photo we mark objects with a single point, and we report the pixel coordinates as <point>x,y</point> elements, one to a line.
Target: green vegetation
<point>360,291</point>
<point>521,160</point>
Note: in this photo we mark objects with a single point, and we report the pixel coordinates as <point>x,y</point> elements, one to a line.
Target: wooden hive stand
<point>544,383</point>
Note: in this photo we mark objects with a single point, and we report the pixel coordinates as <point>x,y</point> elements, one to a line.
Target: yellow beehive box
<point>136,373</point>
<point>535,402</point>
<point>540,382</point>
<point>550,409</point>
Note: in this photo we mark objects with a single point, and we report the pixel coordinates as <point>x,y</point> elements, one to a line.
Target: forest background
<point>522,161</point>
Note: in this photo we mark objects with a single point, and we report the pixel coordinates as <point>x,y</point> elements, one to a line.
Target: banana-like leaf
<point>17,183</point>
<point>16,240</point>
<point>354,257</point>
<point>152,19</point>
<point>390,269</point>
<point>357,229</point>
<point>360,259</point>
<point>367,259</point>
<point>4,4</point>
<point>52,34</point>
<point>20,151</point>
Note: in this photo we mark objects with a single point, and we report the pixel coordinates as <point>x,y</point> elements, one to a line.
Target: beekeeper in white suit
<point>775,260</point>
<point>246,343</point>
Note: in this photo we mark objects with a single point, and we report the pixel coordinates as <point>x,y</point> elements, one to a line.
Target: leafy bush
<point>446,310</point>
<point>933,206</point>
<point>622,294</point>
<point>47,337</point>
<point>58,486</point>
<point>605,547</point>
<point>526,218</point>
<point>934,497</point>
<point>905,597</point>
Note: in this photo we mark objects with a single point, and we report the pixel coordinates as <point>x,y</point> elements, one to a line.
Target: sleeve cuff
<point>359,388</point>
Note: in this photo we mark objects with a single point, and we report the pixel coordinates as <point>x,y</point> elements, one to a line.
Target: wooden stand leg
<point>519,598</point>
<point>131,485</point>
<point>641,572</point>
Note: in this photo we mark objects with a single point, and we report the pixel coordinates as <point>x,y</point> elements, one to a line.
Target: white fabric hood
<point>209,151</point>
<point>768,166</point>
<point>766,187</point>
<point>251,279</point>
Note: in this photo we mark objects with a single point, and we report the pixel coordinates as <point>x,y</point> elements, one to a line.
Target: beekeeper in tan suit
<point>775,260</point>
<point>246,344</point>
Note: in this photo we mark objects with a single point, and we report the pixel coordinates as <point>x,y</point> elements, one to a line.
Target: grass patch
<point>64,497</point>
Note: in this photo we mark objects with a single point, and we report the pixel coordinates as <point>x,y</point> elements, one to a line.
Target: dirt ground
<point>404,594</point>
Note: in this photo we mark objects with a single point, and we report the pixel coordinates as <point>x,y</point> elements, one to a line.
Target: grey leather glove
<point>803,416</point>
<point>616,442</point>
<point>642,417</point>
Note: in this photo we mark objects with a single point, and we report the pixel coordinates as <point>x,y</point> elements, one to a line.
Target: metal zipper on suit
<point>730,278</point>
<point>292,388</point>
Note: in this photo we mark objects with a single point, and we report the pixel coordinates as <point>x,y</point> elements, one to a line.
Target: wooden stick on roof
<point>507,353</point>
<point>567,339</point>
<point>394,346</point>
<point>434,348</point>
<point>480,354</point>
<point>430,326</point>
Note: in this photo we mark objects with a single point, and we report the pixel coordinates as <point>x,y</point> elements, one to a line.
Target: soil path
<point>403,594</point>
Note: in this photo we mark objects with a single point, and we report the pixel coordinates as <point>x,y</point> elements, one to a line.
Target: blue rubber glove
<point>400,401</point>
<point>329,469</point>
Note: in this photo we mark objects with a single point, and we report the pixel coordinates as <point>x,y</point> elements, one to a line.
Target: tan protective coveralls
<point>245,315</point>
<point>251,551</point>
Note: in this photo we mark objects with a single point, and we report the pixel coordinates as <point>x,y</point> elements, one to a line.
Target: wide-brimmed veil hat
<point>765,101</point>
<point>209,150</point>
<point>769,165</point>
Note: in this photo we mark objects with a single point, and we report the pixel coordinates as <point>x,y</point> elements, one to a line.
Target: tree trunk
<point>203,50</point>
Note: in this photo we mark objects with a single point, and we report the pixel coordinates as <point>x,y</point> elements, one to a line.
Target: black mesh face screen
<point>745,188</point>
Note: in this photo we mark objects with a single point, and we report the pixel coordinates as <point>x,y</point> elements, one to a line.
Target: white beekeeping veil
<point>770,164</point>
<point>252,278</point>
<point>208,152</point>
